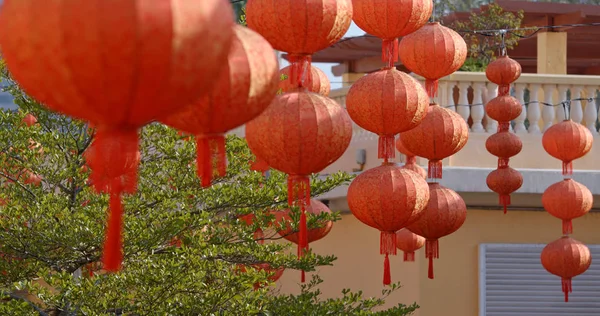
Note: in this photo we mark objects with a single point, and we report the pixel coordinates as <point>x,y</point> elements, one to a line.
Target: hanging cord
<point>566,104</point>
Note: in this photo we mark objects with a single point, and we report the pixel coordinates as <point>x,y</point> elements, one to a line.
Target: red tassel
<point>113,246</point>
<point>409,256</point>
<point>387,243</point>
<point>386,147</point>
<point>298,189</point>
<point>432,87</point>
<point>302,234</point>
<point>503,89</point>
<point>503,162</point>
<point>434,170</point>
<point>503,127</point>
<point>300,72</point>
<point>567,168</point>
<point>387,274</point>
<point>504,200</point>
<point>302,276</point>
<point>210,157</point>
<point>567,288</point>
<point>567,227</point>
<point>432,250</point>
<point>389,52</point>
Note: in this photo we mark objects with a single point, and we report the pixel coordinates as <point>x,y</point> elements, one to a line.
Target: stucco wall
<point>455,287</point>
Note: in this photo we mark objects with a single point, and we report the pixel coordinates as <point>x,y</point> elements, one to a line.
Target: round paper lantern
<point>258,234</point>
<point>300,28</point>
<point>503,71</point>
<point>116,64</point>
<point>567,141</point>
<point>316,207</point>
<point>390,19</point>
<point>319,82</point>
<point>260,166</point>
<point>504,145</point>
<point>566,258</point>
<point>387,198</point>
<point>567,199</point>
<point>29,119</point>
<point>411,160</point>
<point>441,134</point>
<point>300,133</point>
<point>445,213</point>
<point>244,89</point>
<point>504,181</point>
<point>387,102</point>
<point>275,273</point>
<point>409,242</point>
<point>434,51</point>
<point>503,109</point>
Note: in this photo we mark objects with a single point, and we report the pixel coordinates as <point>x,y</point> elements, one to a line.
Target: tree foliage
<point>52,234</point>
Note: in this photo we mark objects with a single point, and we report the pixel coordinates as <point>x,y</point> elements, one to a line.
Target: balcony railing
<point>468,92</point>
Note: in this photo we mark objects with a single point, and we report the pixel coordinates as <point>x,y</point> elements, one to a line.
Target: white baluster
<point>548,111</point>
<point>463,101</point>
<point>560,109</point>
<point>477,109</point>
<point>520,121</point>
<point>490,93</point>
<point>533,110</point>
<point>576,108</point>
<point>591,113</point>
<point>451,105</point>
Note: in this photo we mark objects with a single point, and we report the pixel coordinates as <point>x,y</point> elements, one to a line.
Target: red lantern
<point>434,51</point>
<point>260,166</point>
<point>503,109</point>
<point>275,273</point>
<point>504,181</point>
<point>566,258</point>
<point>29,119</point>
<point>503,71</point>
<point>388,198</point>
<point>391,19</point>
<point>300,133</point>
<point>567,141</point>
<point>409,242</point>
<point>259,235</point>
<point>441,134</point>
<point>319,82</point>
<point>116,64</point>
<point>387,102</point>
<point>300,28</point>
<point>316,207</point>
<point>244,89</point>
<point>411,159</point>
<point>504,145</point>
<point>567,199</point>
<point>445,213</point>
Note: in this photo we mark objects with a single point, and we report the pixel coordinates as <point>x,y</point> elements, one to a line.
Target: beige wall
<point>455,287</point>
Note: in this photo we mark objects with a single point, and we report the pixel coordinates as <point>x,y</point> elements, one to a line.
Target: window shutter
<point>512,282</point>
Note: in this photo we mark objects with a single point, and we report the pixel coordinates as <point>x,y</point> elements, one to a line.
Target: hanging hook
<point>502,43</point>
<point>567,108</point>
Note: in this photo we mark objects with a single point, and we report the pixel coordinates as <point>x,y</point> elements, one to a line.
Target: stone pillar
<point>552,53</point>
<point>349,78</point>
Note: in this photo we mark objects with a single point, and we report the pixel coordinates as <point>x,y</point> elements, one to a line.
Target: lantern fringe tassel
<point>386,147</point>
<point>387,246</point>
<point>504,200</point>
<point>409,256</point>
<point>410,160</point>
<point>503,162</point>
<point>114,171</point>
<point>567,288</point>
<point>567,168</point>
<point>210,157</point>
<point>503,89</point>
<point>567,227</point>
<point>431,86</point>
<point>503,127</point>
<point>259,236</point>
<point>432,251</point>
<point>300,71</point>
<point>389,52</point>
<point>434,169</point>
<point>299,193</point>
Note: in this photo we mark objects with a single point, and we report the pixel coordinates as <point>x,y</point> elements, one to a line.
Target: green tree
<point>483,46</point>
<point>51,233</point>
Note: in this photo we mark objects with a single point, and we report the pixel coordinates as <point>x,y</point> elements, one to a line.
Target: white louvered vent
<point>512,282</point>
